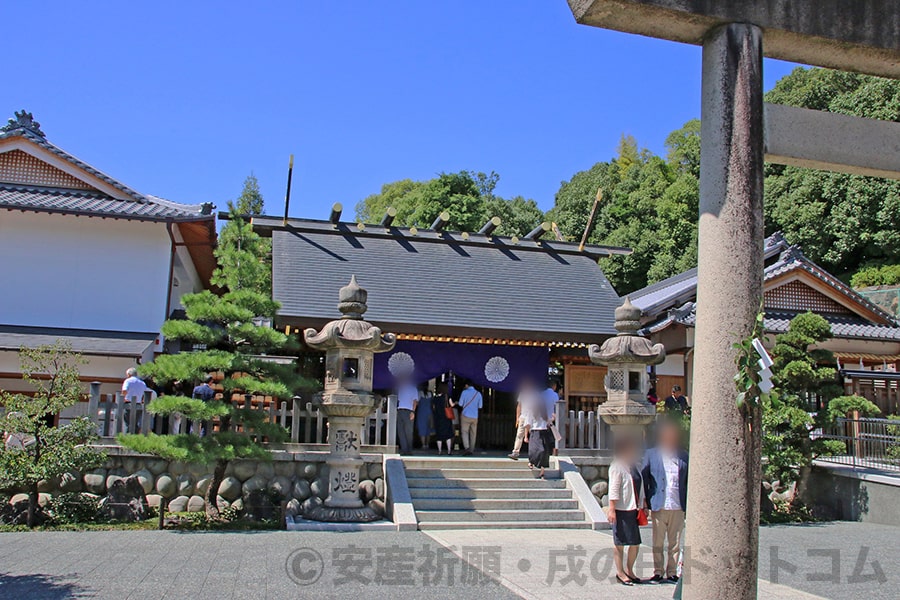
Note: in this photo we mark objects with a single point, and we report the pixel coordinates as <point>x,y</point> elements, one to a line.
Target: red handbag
<point>642,517</point>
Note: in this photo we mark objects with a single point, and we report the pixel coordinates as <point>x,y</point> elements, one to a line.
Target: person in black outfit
<point>443,426</point>
<point>677,401</point>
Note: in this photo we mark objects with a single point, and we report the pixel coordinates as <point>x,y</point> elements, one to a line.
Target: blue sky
<point>183,100</point>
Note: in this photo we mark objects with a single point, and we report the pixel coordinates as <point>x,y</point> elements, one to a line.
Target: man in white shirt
<point>133,391</point>
<point>470,403</point>
<point>407,401</point>
<point>664,473</point>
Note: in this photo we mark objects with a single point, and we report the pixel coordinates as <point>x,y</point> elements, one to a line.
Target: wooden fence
<point>305,423</point>
<point>582,430</point>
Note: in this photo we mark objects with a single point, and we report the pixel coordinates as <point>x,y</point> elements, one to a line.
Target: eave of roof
<point>83,341</point>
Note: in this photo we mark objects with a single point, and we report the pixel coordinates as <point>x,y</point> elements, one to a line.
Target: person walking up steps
<point>528,396</point>
<point>470,403</point>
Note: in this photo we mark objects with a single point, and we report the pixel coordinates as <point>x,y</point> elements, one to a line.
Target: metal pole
<point>287,196</point>
<point>725,440</point>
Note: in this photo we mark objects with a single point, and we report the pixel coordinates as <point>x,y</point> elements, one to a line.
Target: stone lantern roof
<point>627,346</point>
<point>350,331</point>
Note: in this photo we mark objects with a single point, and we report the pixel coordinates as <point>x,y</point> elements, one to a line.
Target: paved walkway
<point>796,562</point>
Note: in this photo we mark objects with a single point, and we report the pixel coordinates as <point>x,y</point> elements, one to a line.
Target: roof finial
<point>24,120</point>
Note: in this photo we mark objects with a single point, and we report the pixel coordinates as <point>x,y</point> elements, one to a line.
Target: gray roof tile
<point>106,343</point>
<point>439,283</point>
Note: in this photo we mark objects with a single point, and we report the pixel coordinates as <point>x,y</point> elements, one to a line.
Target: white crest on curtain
<point>401,364</point>
<point>496,369</point>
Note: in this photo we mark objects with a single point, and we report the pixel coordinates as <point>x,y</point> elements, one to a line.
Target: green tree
<point>804,382</point>
<point>468,197</point>
<point>843,222</point>
<point>244,259</point>
<point>250,202</point>
<point>884,275</point>
<point>44,451</point>
<point>222,330</point>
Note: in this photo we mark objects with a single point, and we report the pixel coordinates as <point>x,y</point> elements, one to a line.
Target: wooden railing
<point>582,430</point>
<point>305,423</point>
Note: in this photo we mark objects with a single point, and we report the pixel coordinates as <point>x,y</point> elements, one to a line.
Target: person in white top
<point>626,497</point>
<point>528,395</point>
<point>470,402</point>
<point>133,390</point>
<point>664,472</point>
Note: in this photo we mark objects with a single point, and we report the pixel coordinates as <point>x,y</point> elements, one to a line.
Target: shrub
<point>842,406</point>
<point>885,275</point>
<point>75,507</point>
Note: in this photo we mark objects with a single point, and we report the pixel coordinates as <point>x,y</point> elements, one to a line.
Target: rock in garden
<point>203,484</point>
<point>238,504</point>
<point>146,479</point>
<point>266,470</point>
<point>284,468</point>
<point>18,498</point>
<point>44,499</point>
<point>310,503</point>
<point>178,504</point>
<point>70,482</point>
<point>165,486</point>
<point>319,488</point>
<point>375,470</point>
<point>230,488</point>
<point>377,505</point>
<point>16,512</point>
<point>125,501</point>
<point>599,488</point>
<point>280,487</point>
<point>48,485</point>
<point>309,470</point>
<point>244,469</point>
<point>196,504</point>
<point>367,490</point>
<point>255,484</point>
<point>114,475</point>
<point>185,484</point>
<point>300,490</point>
<point>590,473</point>
<point>153,500</point>
<point>95,481</point>
<point>156,466</point>
<point>258,506</point>
<point>379,488</point>
<point>177,468</point>
<point>293,508</point>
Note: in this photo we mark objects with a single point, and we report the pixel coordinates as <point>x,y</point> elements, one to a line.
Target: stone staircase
<point>466,492</point>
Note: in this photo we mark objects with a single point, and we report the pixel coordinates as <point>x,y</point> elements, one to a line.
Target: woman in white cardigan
<point>626,496</point>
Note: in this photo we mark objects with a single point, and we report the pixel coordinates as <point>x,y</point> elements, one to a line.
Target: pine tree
<point>222,331</point>
<point>39,450</point>
<point>250,202</point>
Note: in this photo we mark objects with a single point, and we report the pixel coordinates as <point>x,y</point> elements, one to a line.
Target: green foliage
<point>250,202</point>
<point>74,507</point>
<point>883,275</point>
<point>49,451</point>
<point>746,359</point>
<point>786,442</point>
<point>468,197</point>
<point>224,329</point>
<point>842,406</point>
<point>842,221</point>
<point>649,204</point>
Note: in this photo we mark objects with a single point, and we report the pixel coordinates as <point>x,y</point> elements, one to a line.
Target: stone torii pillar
<point>864,36</point>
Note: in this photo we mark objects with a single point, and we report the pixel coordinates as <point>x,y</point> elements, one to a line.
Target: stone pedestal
<point>350,345</point>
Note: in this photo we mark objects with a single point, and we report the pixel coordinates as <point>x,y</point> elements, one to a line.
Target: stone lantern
<point>350,344</point>
<point>627,357</point>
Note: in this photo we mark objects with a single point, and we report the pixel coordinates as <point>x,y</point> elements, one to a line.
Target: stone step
<point>485,504</point>
<point>454,473</point>
<point>439,525</point>
<point>489,515</point>
<point>514,493</point>
<point>464,463</point>
<point>414,481</point>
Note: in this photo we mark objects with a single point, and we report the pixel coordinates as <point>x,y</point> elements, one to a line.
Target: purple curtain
<point>496,366</point>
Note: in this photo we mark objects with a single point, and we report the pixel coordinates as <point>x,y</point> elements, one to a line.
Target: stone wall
<point>595,471</point>
<point>300,479</point>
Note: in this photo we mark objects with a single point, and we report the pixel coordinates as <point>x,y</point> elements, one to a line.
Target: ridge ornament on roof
<point>23,120</point>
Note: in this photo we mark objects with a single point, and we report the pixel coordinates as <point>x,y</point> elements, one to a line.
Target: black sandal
<point>624,581</point>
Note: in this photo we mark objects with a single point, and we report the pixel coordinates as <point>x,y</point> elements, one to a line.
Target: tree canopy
<point>468,197</point>
<point>250,202</point>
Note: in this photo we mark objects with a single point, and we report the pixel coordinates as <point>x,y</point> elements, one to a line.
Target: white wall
<point>83,273</point>
<point>673,365</point>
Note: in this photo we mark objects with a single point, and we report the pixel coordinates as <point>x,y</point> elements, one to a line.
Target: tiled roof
<point>105,343</point>
<point>441,283</point>
<point>58,200</point>
<point>133,204</point>
<point>778,322</point>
